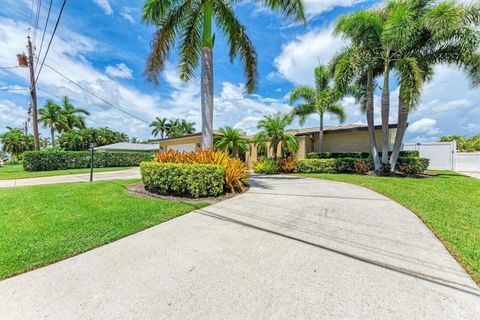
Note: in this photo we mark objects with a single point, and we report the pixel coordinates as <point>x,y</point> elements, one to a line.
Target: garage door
<point>182,147</point>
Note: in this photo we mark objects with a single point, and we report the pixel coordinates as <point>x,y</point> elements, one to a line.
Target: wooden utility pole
<point>33,93</point>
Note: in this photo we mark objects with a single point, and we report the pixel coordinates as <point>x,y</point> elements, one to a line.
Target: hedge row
<point>46,161</point>
<point>357,155</point>
<point>195,180</point>
<point>407,165</point>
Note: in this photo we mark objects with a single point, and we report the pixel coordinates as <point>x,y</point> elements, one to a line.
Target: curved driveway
<point>289,248</point>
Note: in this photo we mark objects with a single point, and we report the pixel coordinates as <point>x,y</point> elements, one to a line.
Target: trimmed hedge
<point>357,155</point>
<point>60,160</point>
<point>407,165</point>
<point>195,180</point>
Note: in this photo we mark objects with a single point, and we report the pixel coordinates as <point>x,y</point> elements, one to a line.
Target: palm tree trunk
<point>320,135</point>
<point>385,111</point>
<point>207,78</point>
<point>401,128</point>
<point>371,122</point>
<point>52,133</point>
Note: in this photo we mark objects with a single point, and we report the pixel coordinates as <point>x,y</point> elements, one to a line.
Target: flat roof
<point>126,146</point>
<point>196,134</point>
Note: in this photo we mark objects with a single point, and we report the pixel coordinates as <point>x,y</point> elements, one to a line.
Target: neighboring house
<point>129,147</point>
<point>336,139</point>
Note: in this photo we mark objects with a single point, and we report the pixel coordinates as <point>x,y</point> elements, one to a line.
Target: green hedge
<point>357,155</point>
<point>267,166</point>
<point>407,165</point>
<point>195,180</point>
<point>46,161</point>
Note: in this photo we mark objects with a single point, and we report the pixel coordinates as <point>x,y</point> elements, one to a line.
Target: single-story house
<point>345,138</point>
<point>129,147</point>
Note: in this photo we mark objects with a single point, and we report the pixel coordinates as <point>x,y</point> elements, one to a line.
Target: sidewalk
<point>132,173</point>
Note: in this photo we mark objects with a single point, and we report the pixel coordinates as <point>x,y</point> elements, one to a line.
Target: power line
<point>51,38</point>
<point>14,67</point>
<point>95,95</point>
<point>44,30</point>
<point>37,18</point>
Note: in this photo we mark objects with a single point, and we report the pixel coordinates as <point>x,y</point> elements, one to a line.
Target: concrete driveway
<point>290,248</point>
<point>132,173</point>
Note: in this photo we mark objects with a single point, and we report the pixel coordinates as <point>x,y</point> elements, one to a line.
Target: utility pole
<point>33,93</point>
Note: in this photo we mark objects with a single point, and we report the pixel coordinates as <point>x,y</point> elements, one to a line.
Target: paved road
<point>289,248</point>
<point>132,173</point>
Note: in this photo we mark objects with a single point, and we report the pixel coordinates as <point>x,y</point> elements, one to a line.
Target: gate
<point>442,155</point>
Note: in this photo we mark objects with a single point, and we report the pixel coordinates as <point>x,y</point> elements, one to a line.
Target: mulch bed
<point>138,189</point>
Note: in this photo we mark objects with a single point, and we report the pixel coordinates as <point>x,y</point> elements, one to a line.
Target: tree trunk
<point>401,128</point>
<point>385,111</point>
<point>371,122</point>
<point>320,135</point>
<point>52,132</point>
<point>207,78</point>
<point>275,149</point>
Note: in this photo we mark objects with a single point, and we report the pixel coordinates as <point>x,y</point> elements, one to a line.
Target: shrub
<point>357,155</point>
<point>362,166</point>
<point>195,180</point>
<point>46,161</point>
<point>345,165</point>
<point>412,165</point>
<point>236,171</point>
<point>316,166</point>
<point>267,166</point>
<point>288,164</point>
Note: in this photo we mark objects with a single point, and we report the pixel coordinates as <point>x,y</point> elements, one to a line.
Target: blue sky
<point>103,45</point>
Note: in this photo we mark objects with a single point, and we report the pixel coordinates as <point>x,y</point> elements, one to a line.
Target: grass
<point>16,171</point>
<point>449,204</point>
<point>43,224</point>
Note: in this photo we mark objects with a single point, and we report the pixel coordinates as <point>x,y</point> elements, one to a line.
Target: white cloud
<point>126,14</point>
<point>299,57</point>
<point>119,71</point>
<point>424,125</point>
<point>105,5</point>
<point>11,115</point>
<point>316,7</point>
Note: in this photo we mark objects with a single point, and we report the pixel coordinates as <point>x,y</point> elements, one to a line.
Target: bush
<point>267,166</point>
<point>195,180</point>
<point>362,166</point>
<point>316,166</point>
<point>345,165</point>
<point>357,155</point>
<point>46,161</point>
<point>288,164</point>
<point>236,171</point>
<point>412,165</point>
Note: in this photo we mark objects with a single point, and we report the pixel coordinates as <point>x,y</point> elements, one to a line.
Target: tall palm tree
<point>72,116</point>
<point>440,33</point>
<point>190,22</point>
<point>159,126</point>
<point>319,100</point>
<point>50,116</point>
<point>231,140</point>
<point>15,142</point>
<point>357,65</point>
<point>273,132</point>
<point>187,127</point>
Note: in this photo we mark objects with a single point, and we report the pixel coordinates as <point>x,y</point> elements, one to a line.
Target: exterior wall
<point>188,140</point>
<point>352,141</point>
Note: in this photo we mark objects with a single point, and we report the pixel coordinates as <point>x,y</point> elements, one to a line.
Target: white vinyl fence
<point>443,156</point>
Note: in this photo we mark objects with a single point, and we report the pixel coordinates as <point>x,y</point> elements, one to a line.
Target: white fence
<point>443,156</point>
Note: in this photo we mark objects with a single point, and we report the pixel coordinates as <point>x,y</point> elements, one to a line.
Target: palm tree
<point>273,132</point>
<point>159,125</point>
<point>187,127</point>
<point>231,140</point>
<point>440,33</point>
<point>72,116</point>
<point>319,100</point>
<point>50,116</point>
<point>15,142</point>
<point>357,65</point>
<point>190,22</point>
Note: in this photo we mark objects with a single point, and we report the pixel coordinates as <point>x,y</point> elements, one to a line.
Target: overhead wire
<point>44,31</point>
<point>37,18</point>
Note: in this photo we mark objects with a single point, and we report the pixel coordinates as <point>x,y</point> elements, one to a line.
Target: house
<point>129,147</point>
<point>346,138</point>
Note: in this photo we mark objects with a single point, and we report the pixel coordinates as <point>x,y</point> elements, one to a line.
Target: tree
<point>76,140</point>
<point>159,126</point>
<point>15,142</point>
<point>231,140</point>
<point>273,131</point>
<point>190,22</point>
<point>50,116</point>
<point>356,66</point>
<point>179,127</point>
<point>319,100</point>
<point>71,116</point>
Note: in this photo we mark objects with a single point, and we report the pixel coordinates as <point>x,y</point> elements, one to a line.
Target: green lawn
<point>16,172</point>
<point>43,224</point>
<point>448,203</point>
